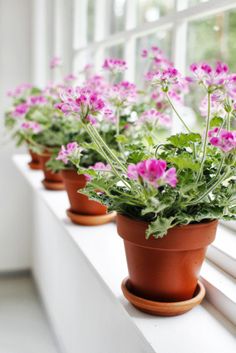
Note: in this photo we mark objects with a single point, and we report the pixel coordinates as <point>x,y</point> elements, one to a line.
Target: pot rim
<point>186,237</point>
<point>181,226</point>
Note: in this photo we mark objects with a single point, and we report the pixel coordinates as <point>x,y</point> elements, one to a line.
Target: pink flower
<point>123,94</point>
<point>71,148</point>
<point>69,78</point>
<point>37,100</point>
<point>158,59</point>
<point>153,117</point>
<point>31,125</point>
<point>19,90</point>
<point>230,86</point>
<point>132,172</point>
<point>170,177</point>
<point>114,66</point>
<point>83,101</point>
<point>91,119</point>
<point>209,76</point>
<point>97,83</point>
<point>224,139</point>
<point>99,166</point>
<point>55,62</point>
<point>153,172</point>
<point>21,110</point>
<point>165,78</point>
<point>144,53</point>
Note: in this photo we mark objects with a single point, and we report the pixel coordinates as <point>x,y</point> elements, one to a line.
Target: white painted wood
<point>78,271</point>
<point>191,13</point>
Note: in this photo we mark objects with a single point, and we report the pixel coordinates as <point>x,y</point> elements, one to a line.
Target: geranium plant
<point>188,179</point>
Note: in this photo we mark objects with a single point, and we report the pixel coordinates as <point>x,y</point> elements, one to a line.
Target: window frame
<point>72,43</point>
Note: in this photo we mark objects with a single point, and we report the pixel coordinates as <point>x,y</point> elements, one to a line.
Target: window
<point>186,30</point>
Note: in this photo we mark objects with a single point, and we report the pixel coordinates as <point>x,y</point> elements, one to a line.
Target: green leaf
<point>184,161</point>
<point>122,139</point>
<point>216,122</point>
<point>159,227</point>
<point>184,140</point>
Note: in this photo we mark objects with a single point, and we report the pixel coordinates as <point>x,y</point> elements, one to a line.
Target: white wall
<point>15,198</point>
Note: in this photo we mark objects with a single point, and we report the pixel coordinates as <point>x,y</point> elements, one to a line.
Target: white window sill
<point>203,329</point>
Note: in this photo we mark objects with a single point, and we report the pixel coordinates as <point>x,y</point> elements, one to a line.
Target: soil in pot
<point>165,269</point>
<point>83,211</point>
<point>34,163</point>
<point>51,181</point>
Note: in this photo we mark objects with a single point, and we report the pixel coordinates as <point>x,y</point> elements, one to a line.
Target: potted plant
<point>83,210</point>
<point>14,118</point>
<point>170,198</point>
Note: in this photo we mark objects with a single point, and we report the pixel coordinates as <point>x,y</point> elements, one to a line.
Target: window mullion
<point>130,43</point>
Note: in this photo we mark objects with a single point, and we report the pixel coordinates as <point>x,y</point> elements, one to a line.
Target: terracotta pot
<point>52,181</point>
<point>34,163</point>
<point>165,269</point>
<point>80,203</point>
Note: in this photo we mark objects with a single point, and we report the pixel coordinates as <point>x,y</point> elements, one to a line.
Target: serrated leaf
<point>184,140</point>
<point>159,227</point>
<point>184,161</point>
<point>216,122</point>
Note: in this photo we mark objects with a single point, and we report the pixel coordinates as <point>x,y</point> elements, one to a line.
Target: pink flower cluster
<point>99,166</point>
<point>83,101</point>
<point>98,84</point>
<point>123,93</point>
<point>55,62</point>
<point>114,66</point>
<point>153,117</point>
<point>210,76</point>
<point>223,139</point>
<point>164,78</point>
<point>20,110</point>
<point>19,90</point>
<point>158,58</point>
<point>68,151</point>
<point>70,78</point>
<point>153,172</point>
<point>217,106</point>
<point>31,126</point>
<point>37,100</point>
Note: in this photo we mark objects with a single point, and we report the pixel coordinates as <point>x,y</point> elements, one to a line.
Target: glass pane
<point>116,51</point>
<point>213,39</point>
<point>151,10</point>
<point>90,21</point>
<point>117,18</point>
<point>161,39</point>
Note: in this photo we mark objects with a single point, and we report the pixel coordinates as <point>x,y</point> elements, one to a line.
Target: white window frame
<point>68,22</point>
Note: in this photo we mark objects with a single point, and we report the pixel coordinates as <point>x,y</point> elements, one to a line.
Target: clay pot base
<point>90,220</point>
<point>34,165</point>
<point>53,185</point>
<point>163,308</point>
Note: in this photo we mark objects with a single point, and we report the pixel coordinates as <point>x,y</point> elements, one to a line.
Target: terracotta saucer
<point>90,220</point>
<point>53,185</point>
<point>163,308</point>
<point>34,165</point>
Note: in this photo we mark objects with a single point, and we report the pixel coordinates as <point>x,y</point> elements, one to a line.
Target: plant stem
<point>108,150</point>
<point>223,177</point>
<point>90,130</point>
<point>205,137</point>
<point>178,115</point>
<point>228,121</point>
